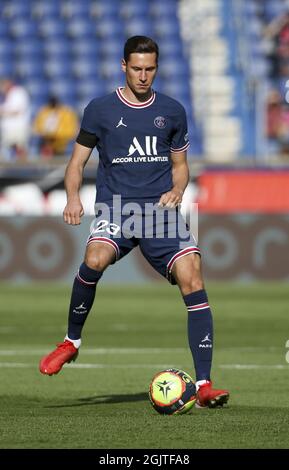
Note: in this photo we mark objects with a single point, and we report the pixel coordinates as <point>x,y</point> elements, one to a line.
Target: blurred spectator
<point>56,125</point>
<point>277,123</point>
<point>274,109</point>
<point>278,32</point>
<point>15,120</point>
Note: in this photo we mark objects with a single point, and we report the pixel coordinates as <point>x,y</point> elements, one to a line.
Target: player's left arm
<point>180,175</point>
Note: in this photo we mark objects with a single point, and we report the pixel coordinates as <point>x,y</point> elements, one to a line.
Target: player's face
<point>140,70</point>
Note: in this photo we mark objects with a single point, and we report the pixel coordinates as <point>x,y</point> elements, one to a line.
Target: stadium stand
<point>65,46</point>
<point>215,83</point>
<point>263,50</point>
<point>217,58</point>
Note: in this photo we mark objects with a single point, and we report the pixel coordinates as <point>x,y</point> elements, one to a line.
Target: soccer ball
<point>172,391</point>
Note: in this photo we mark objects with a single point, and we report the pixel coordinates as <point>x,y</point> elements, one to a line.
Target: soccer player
<point>142,138</point>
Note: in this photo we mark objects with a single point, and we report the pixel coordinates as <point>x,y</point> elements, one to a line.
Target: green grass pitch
<point>101,402</point>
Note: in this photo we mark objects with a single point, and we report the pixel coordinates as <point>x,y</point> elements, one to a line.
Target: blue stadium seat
<point>64,90</point>
<point>76,9</point>
<point>167,28</point>
<point>44,9</point>
<point>85,68</point>
<point>7,69</point>
<point>195,138</point>
<point>81,28</point>
<point>114,81</point>
<point>174,69</point>
<point>184,98</point>
<point>36,86</point>
<point>58,67</point>
<point>56,47</point>
<point>258,67</point>
<point>29,69</point>
<point>274,8</point>
<point>73,48</point>
<point>7,48</point>
<point>257,48</point>
<point>4,29</point>
<point>254,28</point>
<point>102,10</point>
<point>89,89</point>
<point>158,84</point>
<point>17,9</point>
<point>163,9</point>
<point>132,8</point>
<point>171,48</point>
<point>23,28</point>
<point>110,28</point>
<point>80,105</point>
<point>138,26</point>
<point>112,48</point>
<point>29,49</point>
<point>109,67</point>
<point>176,88</point>
<point>52,28</point>
<point>38,89</point>
<point>85,47</point>
<point>251,8</point>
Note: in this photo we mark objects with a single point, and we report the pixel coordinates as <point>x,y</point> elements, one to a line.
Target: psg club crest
<point>160,122</point>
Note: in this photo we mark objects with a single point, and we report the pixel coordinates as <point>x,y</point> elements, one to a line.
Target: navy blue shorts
<point>162,235</point>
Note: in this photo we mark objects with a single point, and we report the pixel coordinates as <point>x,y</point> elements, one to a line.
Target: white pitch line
<point>95,351</point>
<point>103,351</point>
<point>253,366</point>
<point>15,365</point>
<point>133,350</point>
<point>19,365</point>
<point>121,366</point>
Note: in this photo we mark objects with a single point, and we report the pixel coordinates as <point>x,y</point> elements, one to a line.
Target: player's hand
<point>171,199</point>
<point>73,211</point>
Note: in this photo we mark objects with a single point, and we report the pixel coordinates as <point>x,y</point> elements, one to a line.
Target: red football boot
<point>53,362</point>
<point>208,397</point>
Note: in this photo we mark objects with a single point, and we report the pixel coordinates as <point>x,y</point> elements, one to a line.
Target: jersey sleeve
<point>180,140</point>
<point>90,124</point>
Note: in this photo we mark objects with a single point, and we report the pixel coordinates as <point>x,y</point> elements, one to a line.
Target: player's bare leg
<point>187,271</point>
<point>97,257</point>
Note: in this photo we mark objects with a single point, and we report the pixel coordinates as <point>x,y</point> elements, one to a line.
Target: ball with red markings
<point>172,391</point>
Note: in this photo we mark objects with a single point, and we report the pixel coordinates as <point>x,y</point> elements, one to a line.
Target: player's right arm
<point>73,210</point>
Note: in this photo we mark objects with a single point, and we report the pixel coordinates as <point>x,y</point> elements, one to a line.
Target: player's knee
<point>98,260</point>
<point>191,284</point>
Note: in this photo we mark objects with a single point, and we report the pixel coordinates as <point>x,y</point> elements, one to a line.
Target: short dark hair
<point>140,44</point>
<point>53,101</point>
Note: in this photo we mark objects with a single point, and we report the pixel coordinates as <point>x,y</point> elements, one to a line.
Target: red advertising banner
<point>260,191</point>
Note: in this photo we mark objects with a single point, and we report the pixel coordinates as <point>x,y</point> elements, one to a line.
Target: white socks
<point>199,383</point>
<point>76,342</point>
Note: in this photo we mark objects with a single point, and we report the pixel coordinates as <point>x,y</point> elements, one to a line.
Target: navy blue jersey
<point>134,142</point>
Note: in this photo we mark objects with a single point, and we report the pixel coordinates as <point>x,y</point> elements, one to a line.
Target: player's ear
<point>123,65</point>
